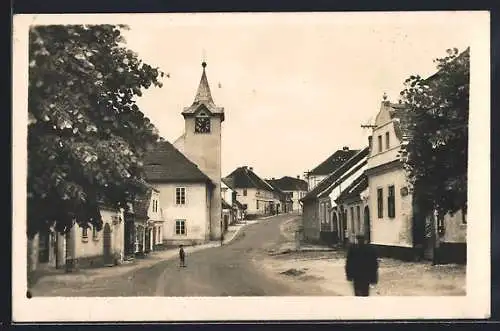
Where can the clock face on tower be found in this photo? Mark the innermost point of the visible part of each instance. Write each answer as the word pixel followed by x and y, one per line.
pixel 202 125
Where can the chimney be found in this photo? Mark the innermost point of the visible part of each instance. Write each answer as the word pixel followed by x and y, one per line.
pixel 250 168
pixel 298 176
pixel 273 178
pixel 345 148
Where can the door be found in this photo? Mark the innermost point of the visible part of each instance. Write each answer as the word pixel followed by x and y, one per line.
pixel 226 222
pixel 147 241
pixel 154 237
pixel 367 225
pixel 43 247
pixel 106 242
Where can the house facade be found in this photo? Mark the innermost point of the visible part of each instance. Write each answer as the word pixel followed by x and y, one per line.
pixel 397 228
pixel 294 188
pixel 323 221
pixel 184 195
pixel 390 201
pixel 256 195
pixel 354 202
pixel 328 166
pixel 81 246
pixel 144 224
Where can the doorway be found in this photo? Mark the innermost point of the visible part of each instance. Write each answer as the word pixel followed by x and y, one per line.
pixel 106 242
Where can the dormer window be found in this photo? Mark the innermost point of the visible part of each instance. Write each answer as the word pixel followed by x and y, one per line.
pixel 202 124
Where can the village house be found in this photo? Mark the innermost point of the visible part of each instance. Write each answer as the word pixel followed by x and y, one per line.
pixel 81 246
pixel 323 221
pixel 285 201
pixel 327 167
pixel 188 173
pixel 229 195
pixel 294 188
pixel 257 196
pixel 396 228
pixel 185 195
pixel 354 201
pixel 144 224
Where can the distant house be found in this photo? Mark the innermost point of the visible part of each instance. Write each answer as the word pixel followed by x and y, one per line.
pixel 294 188
pixel 80 247
pixel 397 228
pixel 185 194
pixel 323 221
pixel 228 208
pixel 353 200
pixel 256 195
pixel 285 202
pixel 240 210
pixel 327 167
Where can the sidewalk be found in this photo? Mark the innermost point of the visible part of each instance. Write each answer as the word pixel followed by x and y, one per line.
pixel 313 266
pixel 396 278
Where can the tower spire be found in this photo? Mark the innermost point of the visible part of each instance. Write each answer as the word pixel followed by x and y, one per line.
pixel 203 93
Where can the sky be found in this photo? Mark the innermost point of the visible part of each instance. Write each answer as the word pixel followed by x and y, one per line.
pixel 295 87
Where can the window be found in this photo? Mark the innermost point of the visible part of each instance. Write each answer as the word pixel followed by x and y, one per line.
pixel 464 217
pixel 352 219
pixel 154 206
pixel 257 204
pixel 380 202
pixel 180 227
pixel 380 144
pixel 158 236
pixel 85 233
pixel 358 218
pixel 391 207
pixel 245 206
pixel 180 196
pixel 244 192
pixel 95 234
pixel 387 143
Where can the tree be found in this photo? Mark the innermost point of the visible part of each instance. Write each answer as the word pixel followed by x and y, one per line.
pixel 86 135
pixel 437 110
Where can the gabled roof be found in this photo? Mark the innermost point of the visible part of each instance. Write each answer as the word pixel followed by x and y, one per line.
pixel 333 162
pixel 141 204
pixel 326 186
pixel 225 204
pixel 164 163
pixel 288 183
pixel 243 177
pixel 401 120
pixel 239 204
pixel 354 190
pixel 204 98
pixel 225 181
pixel 276 189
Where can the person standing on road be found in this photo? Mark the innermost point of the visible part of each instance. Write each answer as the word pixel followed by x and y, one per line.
pixel 361 266
pixel 182 256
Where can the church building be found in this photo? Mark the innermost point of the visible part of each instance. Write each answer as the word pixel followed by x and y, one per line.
pixel 187 173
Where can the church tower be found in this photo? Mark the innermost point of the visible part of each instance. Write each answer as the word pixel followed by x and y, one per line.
pixel 201 143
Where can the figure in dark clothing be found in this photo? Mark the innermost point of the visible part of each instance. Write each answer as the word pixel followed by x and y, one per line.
pixel 361 267
pixel 182 256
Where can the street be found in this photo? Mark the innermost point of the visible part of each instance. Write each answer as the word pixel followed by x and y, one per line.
pixel 259 261
pixel 230 270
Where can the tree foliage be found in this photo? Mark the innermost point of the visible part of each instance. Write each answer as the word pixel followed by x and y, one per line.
pixel 437 151
pixel 86 135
